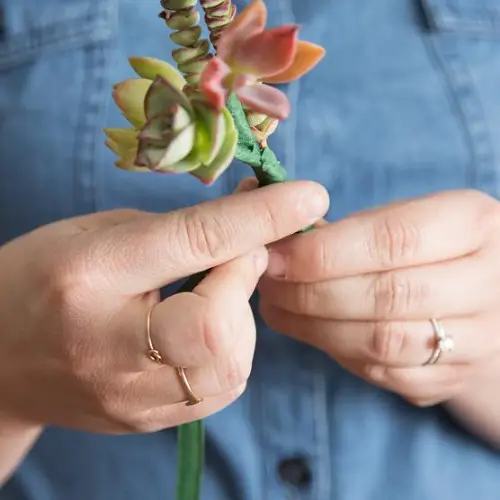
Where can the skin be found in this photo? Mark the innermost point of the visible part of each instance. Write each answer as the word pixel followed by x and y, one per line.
pixel 363 290
pixel 76 293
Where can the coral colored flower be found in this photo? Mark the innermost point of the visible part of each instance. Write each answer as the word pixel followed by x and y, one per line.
pixel 248 54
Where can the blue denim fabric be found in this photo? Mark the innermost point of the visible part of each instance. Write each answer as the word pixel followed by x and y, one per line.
pixel 407 102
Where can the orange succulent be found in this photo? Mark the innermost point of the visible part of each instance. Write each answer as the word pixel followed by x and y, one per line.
pixel 249 56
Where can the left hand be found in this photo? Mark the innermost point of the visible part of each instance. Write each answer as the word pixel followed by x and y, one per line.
pixel 365 289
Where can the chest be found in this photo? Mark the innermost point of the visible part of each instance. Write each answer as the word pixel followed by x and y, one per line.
pixel 406 102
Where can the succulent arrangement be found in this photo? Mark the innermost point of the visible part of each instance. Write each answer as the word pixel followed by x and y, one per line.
pixel 218 105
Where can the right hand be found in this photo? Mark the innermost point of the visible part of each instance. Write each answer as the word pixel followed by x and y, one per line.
pixel 74 298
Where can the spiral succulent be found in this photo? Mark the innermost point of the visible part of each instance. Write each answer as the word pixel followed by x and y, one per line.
pixel 193 54
pixel 218 15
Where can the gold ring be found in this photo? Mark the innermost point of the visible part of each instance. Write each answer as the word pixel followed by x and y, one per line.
pixel 192 398
pixel 153 354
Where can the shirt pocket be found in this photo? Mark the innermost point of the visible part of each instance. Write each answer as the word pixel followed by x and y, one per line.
pixel 52 88
pixel 465 38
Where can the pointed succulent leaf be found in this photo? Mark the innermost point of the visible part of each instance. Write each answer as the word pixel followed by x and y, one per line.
pixel 129 97
pixel 114 146
pixel 182 19
pixel 127 161
pixel 149 68
pixel 188 164
pixel 212 123
pixel 266 53
pixel 125 137
pixel 307 56
pixel 162 127
pixel 208 174
pixel 265 99
pixel 249 23
pixel 212 83
pixel 178 146
pixel 162 96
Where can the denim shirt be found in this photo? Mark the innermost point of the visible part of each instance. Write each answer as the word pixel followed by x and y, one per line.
pixel 406 102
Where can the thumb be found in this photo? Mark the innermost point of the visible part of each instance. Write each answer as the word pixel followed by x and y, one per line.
pixel 148 253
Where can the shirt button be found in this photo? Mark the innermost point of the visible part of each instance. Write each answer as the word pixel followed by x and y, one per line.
pixel 295 471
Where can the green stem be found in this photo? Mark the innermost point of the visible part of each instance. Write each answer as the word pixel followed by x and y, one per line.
pixel 190 460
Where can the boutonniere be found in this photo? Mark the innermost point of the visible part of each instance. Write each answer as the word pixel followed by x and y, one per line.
pixel 218 105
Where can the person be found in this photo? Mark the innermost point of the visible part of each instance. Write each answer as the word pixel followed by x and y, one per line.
pixel 376 360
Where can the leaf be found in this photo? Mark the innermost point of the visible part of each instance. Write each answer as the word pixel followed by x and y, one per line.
pixel 251 21
pixel 208 174
pixel 129 97
pixel 307 56
pixel 124 137
pixel 150 154
pixel 265 99
pixel 188 164
pixel 190 460
pixel 212 126
pixel 161 96
pixel 149 68
pixel 266 53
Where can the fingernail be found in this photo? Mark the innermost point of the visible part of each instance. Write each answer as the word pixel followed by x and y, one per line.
pixel 315 206
pixel 260 257
pixel 276 266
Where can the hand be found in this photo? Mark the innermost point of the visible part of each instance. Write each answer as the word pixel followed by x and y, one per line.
pixel 74 298
pixel 364 290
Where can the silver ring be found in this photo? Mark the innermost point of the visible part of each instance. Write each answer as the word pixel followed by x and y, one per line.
pixel 444 343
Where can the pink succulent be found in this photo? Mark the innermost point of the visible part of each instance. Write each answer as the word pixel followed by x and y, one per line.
pixel 248 55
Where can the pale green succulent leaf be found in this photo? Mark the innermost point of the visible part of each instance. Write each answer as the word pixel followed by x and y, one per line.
pixel 129 97
pixel 212 125
pixel 162 96
pixel 126 137
pixel 188 164
pixel 149 68
pixel 174 149
pixel 160 129
pixel 208 174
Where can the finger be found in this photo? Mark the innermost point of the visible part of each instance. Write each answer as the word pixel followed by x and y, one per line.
pixel 435 290
pixel 188 329
pixel 157 418
pixel 394 344
pixel 147 254
pixel 418 385
pixel 415 232
pixel 217 376
pixel 192 329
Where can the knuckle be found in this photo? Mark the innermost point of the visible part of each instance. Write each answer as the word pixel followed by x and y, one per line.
pixel 395 295
pixel 394 240
pixel 235 373
pixel 319 259
pixel 140 423
pixel 216 332
pixel 388 342
pixel 488 220
pixel 205 237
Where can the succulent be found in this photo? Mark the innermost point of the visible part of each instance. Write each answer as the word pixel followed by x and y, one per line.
pixel 218 15
pixel 193 54
pixel 172 131
pixel 249 56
